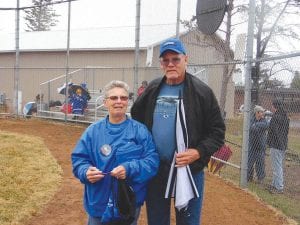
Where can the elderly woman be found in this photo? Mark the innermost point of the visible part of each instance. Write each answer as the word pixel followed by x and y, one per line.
pixel 115 147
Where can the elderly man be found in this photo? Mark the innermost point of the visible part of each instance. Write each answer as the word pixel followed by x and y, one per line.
pixel 156 108
pixel 257 144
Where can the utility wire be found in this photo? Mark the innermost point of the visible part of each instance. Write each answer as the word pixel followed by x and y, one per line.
pixel 41 5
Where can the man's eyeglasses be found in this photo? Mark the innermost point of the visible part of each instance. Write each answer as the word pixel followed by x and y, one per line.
pixel 175 61
pixel 115 98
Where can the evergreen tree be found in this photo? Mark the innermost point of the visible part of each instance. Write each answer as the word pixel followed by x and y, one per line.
pixel 41 17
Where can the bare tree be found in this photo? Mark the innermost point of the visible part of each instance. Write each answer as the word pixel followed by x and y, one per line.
pixel 222 46
pixel 269 15
pixel 269 27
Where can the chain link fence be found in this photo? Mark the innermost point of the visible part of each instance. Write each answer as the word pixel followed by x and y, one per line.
pixel 212 61
pixel 261 174
pixel 37 81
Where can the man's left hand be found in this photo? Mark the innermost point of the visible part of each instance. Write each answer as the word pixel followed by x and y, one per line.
pixel 187 157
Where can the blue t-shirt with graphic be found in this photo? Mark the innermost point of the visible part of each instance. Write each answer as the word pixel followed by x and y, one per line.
pixel 164 120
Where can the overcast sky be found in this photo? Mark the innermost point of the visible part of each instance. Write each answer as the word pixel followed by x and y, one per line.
pixel 103 13
pixel 106 13
pixel 87 14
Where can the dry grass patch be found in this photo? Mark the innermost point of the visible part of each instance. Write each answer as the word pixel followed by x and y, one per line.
pixel 29 177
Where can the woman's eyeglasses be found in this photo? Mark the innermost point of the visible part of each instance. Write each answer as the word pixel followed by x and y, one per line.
pixel 175 61
pixel 115 98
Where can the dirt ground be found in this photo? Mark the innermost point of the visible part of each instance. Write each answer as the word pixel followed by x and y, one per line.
pixel 224 203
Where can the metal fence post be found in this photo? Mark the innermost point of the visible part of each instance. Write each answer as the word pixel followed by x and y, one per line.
pixel 247 100
pixel 137 47
pixel 17 61
pixel 67 61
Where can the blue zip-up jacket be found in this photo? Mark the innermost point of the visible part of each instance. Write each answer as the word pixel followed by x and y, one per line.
pixel 258 134
pixel 132 146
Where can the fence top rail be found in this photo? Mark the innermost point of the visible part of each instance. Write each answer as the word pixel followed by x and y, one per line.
pixel 278 57
pixel 283 56
pixel 74 67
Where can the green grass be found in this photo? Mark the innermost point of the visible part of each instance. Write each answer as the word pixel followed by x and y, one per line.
pixel 288 205
pixel 294 143
pixel 29 177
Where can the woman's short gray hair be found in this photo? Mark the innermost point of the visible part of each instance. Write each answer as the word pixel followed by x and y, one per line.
pixel 114 84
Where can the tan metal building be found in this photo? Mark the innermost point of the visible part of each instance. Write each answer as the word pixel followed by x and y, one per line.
pixel 97 57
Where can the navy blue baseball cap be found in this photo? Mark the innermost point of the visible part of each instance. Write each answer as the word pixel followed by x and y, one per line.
pixel 171 44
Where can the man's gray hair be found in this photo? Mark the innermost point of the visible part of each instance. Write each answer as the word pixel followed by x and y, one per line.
pixel 114 84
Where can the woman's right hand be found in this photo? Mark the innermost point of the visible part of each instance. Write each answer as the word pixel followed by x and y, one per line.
pixel 93 174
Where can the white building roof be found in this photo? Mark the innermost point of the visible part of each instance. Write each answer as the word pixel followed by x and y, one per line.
pixel 104 38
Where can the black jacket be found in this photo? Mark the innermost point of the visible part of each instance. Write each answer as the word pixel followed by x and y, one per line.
pixel 278 131
pixel 205 125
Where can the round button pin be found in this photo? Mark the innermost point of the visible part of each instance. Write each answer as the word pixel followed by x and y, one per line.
pixel 106 149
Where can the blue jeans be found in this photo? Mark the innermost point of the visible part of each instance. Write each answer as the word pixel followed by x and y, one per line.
pixel 97 220
pixel 158 208
pixel 256 159
pixel 277 158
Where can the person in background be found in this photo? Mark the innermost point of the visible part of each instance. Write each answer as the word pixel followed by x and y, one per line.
pixel 156 108
pixel 116 147
pixel 39 98
pixel 257 144
pixel 86 94
pixel 78 102
pixel 142 87
pixel 277 141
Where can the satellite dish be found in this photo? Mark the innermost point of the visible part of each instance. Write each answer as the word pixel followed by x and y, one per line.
pixel 210 14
